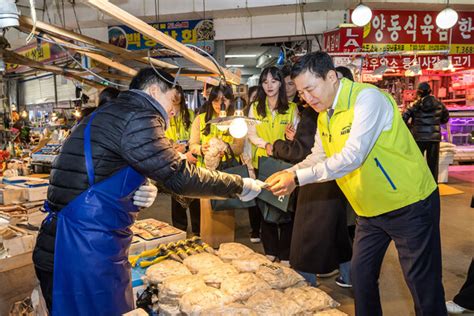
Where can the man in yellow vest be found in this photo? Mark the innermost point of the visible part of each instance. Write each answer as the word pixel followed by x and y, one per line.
pixel 363 143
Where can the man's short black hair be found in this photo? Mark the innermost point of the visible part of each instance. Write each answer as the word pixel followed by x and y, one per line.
pixel 345 72
pixel 286 71
pixel 318 63
pixel 148 76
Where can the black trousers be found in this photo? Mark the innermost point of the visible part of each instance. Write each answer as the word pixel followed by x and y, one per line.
pixel 465 297
pixel 432 156
pixel 276 239
pixel 180 218
pixel 46 284
pixel 415 231
pixel 255 217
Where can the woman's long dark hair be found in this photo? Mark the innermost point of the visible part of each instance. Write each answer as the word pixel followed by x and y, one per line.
pixel 183 108
pixel 282 101
pixel 208 108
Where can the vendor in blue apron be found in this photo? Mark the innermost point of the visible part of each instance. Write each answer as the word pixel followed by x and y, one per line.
pixel 81 254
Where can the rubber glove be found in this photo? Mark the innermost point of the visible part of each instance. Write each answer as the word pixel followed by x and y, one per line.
pixel 145 195
pixel 251 189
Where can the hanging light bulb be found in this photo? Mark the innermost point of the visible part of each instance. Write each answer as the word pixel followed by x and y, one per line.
pixel 361 15
pixel 222 114
pixel 24 114
pixel 238 128
pixel 447 18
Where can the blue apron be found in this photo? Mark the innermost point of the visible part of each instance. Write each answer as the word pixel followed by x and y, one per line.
pixel 91 268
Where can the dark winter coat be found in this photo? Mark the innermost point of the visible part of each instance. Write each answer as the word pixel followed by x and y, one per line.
pixel 297 150
pixel 426 116
pixel 127 131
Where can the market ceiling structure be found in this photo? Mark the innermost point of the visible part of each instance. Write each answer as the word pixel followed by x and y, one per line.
pixel 212 73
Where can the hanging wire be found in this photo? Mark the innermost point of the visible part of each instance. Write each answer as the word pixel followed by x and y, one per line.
pixel 33 17
pixel 173 83
pixel 88 70
pixel 214 61
pixel 75 15
pixel 69 45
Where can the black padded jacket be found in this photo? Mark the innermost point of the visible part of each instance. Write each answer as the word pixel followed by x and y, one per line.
pixel 426 116
pixel 128 131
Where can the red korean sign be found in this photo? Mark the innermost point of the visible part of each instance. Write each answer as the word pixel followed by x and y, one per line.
pixel 416 31
pixel 425 61
pixel 346 39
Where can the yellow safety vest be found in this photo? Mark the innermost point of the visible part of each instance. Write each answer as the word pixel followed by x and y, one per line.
pixel 214 133
pixel 176 130
pixel 393 175
pixel 271 128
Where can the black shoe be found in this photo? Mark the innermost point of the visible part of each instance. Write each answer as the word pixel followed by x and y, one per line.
pixel 255 238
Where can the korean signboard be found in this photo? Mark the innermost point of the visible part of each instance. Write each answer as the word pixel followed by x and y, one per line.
pixel 43 53
pixel 400 63
pixel 344 39
pixel 417 31
pixel 196 32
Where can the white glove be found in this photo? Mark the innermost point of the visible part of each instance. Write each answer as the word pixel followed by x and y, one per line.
pixel 250 189
pixel 145 195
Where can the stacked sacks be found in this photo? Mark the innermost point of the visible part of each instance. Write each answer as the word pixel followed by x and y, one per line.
pixel 194 302
pixel 232 250
pixel 236 281
pixel 202 262
pixel 157 273
pixel 242 286
pixel 215 276
pixel 173 288
pixel 311 299
pixel 273 302
pixel 279 276
pixel 250 263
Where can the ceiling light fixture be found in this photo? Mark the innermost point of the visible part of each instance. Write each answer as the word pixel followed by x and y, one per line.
pixel 361 15
pixel 447 18
pixel 235 66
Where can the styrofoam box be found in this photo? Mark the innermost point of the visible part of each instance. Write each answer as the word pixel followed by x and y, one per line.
pixel 37 194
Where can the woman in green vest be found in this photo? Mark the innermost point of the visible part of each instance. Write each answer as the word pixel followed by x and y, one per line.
pixel 276 113
pixel 178 132
pixel 202 132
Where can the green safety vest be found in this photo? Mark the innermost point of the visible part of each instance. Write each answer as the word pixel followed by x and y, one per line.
pixel 271 128
pixel 214 133
pixel 393 175
pixel 176 130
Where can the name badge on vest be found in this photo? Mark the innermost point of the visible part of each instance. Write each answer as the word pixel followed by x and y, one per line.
pixel 346 129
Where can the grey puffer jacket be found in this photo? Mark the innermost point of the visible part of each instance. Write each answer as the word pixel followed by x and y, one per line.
pixel 128 131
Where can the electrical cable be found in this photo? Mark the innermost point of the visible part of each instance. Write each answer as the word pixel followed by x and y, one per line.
pixel 90 71
pixel 33 17
pixel 301 5
pixel 75 15
pixel 71 46
pixel 214 61
pixel 173 83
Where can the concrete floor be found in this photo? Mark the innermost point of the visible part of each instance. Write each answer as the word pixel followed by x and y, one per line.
pixel 457 230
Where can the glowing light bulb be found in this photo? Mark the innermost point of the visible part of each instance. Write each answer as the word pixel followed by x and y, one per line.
pixel 447 18
pixel 361 15
pixel 24 114
pixel 238 128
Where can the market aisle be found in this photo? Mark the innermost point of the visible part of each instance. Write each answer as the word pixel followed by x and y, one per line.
pixel 457 230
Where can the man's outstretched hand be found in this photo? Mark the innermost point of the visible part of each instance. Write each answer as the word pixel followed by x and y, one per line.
pixel 281 183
